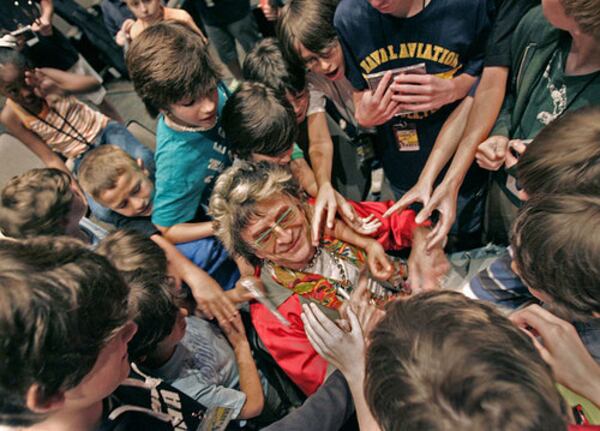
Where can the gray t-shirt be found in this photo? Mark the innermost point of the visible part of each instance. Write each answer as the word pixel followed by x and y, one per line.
pixel 204 367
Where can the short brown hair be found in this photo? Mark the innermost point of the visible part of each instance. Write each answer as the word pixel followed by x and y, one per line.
pixel 586 14
pixel 564 156
pixel 143 265
pixel 169 62
pixel 441 361
pixel 556 241
pixel 102 167
pixel 36 203
pixel 309 22
pixel 60 303
pixel 129 251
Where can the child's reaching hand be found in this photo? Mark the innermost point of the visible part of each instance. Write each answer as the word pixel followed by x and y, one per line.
pixel 123 36
pixel 240 294
pixel 42 84
pixel 235 332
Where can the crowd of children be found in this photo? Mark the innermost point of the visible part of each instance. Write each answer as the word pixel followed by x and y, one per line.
pixel 228 279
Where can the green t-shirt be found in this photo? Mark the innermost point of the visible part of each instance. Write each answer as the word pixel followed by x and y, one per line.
pixel 554 93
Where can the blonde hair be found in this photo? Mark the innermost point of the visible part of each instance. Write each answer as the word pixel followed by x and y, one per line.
pixel 233 200
pixel 102 167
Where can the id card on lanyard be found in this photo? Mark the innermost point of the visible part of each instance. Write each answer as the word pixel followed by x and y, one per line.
pixel 406 135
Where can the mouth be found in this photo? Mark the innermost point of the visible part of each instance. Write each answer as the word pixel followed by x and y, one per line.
pixel 294 245
pixel 208 121
pixel 333 74
pixel 147 210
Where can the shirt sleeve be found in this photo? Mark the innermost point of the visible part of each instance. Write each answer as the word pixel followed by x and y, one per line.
pixel 474 63
pixel 508 15
pixel 175 202
pixel 297 153
pixel 317 101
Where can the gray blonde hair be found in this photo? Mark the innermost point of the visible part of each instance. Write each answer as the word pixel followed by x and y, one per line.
pixel 234 198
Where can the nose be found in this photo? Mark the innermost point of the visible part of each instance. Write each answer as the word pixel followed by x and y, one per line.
pixel 284 236
pixel 139 204
pixel 324 65
pixel 207 106
pixel 143 8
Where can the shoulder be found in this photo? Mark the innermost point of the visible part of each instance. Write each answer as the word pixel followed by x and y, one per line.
pixel 177 14
pixel 352 12
pixel 534 27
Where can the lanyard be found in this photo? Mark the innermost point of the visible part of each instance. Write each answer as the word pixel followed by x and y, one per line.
pixel 73 134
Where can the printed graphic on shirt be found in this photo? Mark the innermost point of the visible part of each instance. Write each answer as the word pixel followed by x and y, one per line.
pixel 419 50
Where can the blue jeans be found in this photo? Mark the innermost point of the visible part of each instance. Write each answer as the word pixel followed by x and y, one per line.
pixel 116 134
pixel 245 31
pixel 210 255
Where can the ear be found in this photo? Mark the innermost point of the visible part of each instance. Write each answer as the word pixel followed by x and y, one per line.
pixel 37 403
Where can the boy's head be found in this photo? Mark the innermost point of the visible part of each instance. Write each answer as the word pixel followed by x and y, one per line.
pixel 64 326
pixel 556 241
pixel 152 297
pixel 173 73
pixel 40 202
pixel 564 156
pixel 145 10
pixel 13 85
pixel 574 16
pixel 440 361
pixel 305 29
pixel 116 181
pixel 267 64
pixel 260 124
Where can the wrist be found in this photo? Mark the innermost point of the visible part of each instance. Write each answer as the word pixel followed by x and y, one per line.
pixel 241 348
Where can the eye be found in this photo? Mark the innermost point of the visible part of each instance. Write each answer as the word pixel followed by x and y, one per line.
pixel 264 236
pixel 122 205
pixel 136 189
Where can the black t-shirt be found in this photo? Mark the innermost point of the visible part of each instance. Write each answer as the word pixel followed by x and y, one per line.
pixel 143 403
pixel 52 51
pixel 508 15
pixel 218 13
pixel 449 36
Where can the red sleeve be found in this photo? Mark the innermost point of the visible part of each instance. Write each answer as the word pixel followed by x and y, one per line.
pixel 289 346
pixel 396 230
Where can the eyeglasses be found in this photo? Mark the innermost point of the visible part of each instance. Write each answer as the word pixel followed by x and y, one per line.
pixel 267 238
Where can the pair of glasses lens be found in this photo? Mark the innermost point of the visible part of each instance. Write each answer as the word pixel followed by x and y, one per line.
pixel 267 237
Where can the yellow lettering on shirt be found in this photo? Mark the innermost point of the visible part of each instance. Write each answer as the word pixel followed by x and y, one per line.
pixel 393 55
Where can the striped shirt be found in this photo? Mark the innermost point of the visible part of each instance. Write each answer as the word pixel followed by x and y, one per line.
pixel 81 122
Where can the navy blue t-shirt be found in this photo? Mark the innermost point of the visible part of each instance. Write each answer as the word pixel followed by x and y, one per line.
pixel 449 36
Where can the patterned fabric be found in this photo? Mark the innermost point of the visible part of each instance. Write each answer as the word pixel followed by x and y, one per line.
pixel 86 123
pixel 315 286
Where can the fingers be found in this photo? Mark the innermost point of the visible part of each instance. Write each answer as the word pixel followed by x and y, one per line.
pixel 347 211
pixel 331 210
pixel 437 237
pixel 402 204
pixel 380 266
pixel 383 86
pixel 316 222
pixel 322 323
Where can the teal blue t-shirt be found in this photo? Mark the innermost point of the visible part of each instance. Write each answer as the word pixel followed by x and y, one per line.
pixel 187 165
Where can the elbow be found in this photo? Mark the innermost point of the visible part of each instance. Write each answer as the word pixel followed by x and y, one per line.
pixel 252 408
